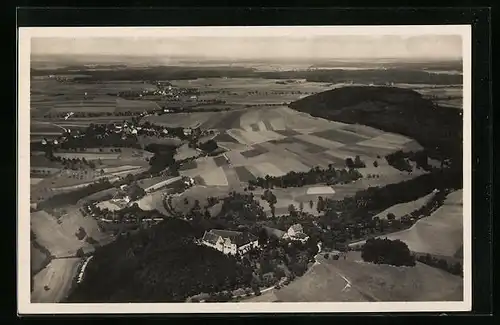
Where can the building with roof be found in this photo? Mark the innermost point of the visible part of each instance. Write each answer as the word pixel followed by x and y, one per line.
pixel 296 232
pixel 230 242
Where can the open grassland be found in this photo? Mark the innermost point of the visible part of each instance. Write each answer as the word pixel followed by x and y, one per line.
pixel 198 192
pixel 327 280
pixel 124 105
pixel 59 238
pixel 58 276
pixel 87 156
pixel 184 152
pixel 153 201
pixel 439 234
pixel 257 151
pixel 37 258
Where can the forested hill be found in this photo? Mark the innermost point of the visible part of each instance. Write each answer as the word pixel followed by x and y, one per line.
pixel 391 109
pixel 158 264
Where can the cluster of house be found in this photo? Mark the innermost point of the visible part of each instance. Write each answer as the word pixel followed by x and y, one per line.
pixel 233 242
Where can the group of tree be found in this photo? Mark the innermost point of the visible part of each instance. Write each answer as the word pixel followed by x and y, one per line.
pixel 128 214
pixel 401 160
pixel 163 157
pixel 441 263
pixel 316 175
pixel 74 163
pixel 386 251
pixel 352 218
pixel 69 198
pixel 277 258
pixel 159 264
pixel 208 146
pixel 356 163
pixel 271 199
pixel 367 203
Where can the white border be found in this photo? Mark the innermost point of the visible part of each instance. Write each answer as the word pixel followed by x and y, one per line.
pixel 23 257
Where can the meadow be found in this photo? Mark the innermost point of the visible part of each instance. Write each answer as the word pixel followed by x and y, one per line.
pixel 326 281
pixel 440 234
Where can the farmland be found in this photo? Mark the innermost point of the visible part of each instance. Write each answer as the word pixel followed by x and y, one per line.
pixel 60 239
pixel 299 143
pixel 325 281
pixel 440 234
pixel 263 137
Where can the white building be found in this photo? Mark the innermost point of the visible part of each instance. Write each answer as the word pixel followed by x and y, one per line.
pixel 230 242
pixel 296 232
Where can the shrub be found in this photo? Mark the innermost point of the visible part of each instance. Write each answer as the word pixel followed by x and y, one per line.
pixel 385 251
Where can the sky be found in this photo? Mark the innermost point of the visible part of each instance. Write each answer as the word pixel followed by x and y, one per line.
pixel 258 47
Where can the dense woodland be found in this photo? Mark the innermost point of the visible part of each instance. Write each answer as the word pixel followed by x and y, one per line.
pixel 399 75
pixel 386 251
pixel 158 264
pixel 402 111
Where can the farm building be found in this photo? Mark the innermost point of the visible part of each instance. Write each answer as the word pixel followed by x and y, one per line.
pixel 296 232
pixel 230 242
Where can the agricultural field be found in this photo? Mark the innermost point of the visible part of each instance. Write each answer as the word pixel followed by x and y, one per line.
pixel 184 152
pixel 327 279
pixel 153 201
pixel 59 238
pixel 241 86
pixel 37 258
pixel 257 153
pixel 440 234
pixel 256 149
pixel 51 96
pixel 58 277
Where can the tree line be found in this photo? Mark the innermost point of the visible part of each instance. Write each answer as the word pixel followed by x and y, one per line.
pixel 316 175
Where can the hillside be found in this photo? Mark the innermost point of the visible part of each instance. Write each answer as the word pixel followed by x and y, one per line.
pixel 402 111
pixel 327 279
pixel 158 264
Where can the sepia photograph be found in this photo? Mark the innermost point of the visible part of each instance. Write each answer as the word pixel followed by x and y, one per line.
pixel 244 169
